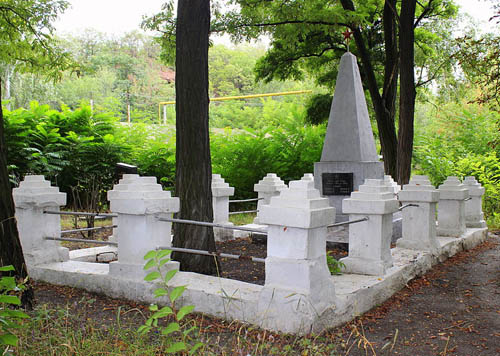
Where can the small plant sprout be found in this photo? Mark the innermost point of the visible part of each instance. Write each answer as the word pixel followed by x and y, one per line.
pixel 177 331
pixel 334 266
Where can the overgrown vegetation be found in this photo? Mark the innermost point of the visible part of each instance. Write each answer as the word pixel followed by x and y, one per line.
pixel 459 139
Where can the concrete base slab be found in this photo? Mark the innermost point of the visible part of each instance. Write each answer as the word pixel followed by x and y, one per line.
pixel 94 254
pixel 235 300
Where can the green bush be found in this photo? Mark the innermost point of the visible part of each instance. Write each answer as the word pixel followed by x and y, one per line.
pixel 64 147
pixel 245 157
pixel 459 140
pixel 9 318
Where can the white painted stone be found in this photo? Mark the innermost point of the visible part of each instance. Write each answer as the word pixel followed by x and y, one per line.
pixel 298 282
pixel 474 216
pixel 221 191
pixel 308 176
pixel 390 181
pixel 419 223
pixel 269 186
pixel 451 208
pixel 139 202
pixel 33 196
pixel 370 241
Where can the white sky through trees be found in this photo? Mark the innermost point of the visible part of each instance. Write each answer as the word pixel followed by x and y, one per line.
pixel 116 17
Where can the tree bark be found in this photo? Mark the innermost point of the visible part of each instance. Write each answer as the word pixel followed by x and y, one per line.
pixel 193 164
pixel 11 252
pixel 407 90
pixel 384 104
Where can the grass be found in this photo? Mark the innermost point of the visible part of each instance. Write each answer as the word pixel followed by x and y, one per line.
pixel 61 332
pixel 242 219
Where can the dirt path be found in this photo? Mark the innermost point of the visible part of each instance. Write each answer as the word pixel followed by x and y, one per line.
pixel 453 310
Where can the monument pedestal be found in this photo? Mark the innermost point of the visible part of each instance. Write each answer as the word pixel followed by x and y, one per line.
pixel 336 187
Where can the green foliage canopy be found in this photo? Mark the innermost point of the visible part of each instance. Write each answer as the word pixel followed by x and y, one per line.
pixel 26 33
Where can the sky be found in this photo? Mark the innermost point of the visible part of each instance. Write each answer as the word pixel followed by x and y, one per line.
pixel 116 17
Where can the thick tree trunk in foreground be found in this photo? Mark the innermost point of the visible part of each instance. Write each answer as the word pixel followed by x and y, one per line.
pixel 407 90
pixel 193 164
pixel 11 252
pixel 383 105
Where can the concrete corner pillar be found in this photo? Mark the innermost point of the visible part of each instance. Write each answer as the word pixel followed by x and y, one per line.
pixel 32 198
pixel 419 222
pixel 474 216
pixel 139 202
pixel 269 186
pixel 221 191
pixel 451 208
pixel 370 241
pixel 298 287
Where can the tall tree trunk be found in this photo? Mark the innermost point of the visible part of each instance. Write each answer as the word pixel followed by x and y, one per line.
pixel 193 164
pixel 11 252
pixel 382 105
pixel 407 90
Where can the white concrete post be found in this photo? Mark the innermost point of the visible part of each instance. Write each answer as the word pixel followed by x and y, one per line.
pixel 269 186
pixel 221 191
pixel 474 216
pixel 298 285
pixel 419 223
pixel 33 196
pixel 139 201
pixel 370 241
pixel 451 208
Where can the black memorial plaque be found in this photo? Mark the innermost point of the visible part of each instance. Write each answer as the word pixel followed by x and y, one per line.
pixel 337 183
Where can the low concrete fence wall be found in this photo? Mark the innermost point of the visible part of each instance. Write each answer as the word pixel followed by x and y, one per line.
pixel 299 294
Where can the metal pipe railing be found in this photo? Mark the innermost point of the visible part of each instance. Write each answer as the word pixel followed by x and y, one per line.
pixel 349 222
pixel 243 212
pixel 98 242
pixel 214 254
pixel 207 224
pixel 82 213
pixel 245 200
pixel 89 229
pixel 407 206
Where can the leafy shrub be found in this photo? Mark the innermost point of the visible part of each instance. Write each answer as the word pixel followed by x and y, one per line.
pixel 64 146
pixel 9 318
pixel 245 157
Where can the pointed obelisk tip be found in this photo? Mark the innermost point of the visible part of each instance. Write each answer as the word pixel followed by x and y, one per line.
pixel 349 136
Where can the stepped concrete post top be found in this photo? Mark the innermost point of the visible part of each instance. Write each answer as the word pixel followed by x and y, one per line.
pixel 300 205
pixel 390 181
pixel 308 176
pixel 220 188
pixel 349 136
pixel 270 183
pixel 419 189
pixel 473 186
pixel 141 195
pixel 36 191
pixel 453 189
pixel 374 197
